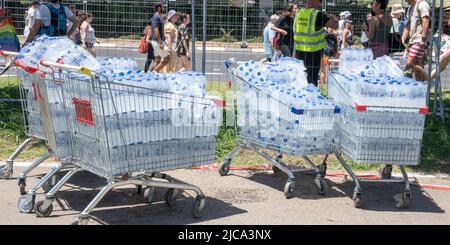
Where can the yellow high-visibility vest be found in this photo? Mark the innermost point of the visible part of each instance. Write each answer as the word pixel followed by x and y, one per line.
pixel 306 37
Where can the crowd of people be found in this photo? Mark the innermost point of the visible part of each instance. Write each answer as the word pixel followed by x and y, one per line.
pixel 166 35
pixel 167 43
pixel 55 19
pixel 305 33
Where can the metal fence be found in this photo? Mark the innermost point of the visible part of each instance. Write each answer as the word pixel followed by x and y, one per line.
pixel 220 27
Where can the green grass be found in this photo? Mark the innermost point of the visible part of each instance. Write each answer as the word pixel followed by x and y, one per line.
pixel 11 123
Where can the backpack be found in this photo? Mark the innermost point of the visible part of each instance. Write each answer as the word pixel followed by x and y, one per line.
pixel 331 45
pixel 58 23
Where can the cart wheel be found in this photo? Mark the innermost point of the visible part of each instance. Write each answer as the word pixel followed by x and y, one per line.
pixel 224 168
pixel 22 185
pixel 275 169
pixel 4 173
pixel 198 207
pixel 49 184
pixel 321 186
pixel 171 197
pixel 405 201
pixel 323 170
pixel 385 173
pixel 25 203
pixel 81 221
pixel 40 211
pixel 148 194
pixel 289 188
pixel 357 199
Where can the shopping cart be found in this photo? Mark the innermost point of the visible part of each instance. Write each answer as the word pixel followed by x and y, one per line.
pixel 311 130
pixel 129 134
pixel 28 77
pixel 376 134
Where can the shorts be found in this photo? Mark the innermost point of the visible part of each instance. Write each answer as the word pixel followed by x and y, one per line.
pixel 161 52
pixel 416 52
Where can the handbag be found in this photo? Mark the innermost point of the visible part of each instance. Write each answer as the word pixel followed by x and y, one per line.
pixel 143 45
pixel 143 42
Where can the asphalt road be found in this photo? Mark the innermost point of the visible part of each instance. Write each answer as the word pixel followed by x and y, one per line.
pixel 248 198
pixel 215 57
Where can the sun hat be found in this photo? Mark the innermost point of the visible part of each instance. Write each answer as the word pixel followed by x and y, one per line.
pixel 171 13
pixel 447 6
pixel 397 9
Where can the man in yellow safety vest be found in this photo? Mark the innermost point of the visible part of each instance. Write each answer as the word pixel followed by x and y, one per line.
pixel 309 37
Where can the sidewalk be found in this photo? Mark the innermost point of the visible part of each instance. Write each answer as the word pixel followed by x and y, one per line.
pixel 244 198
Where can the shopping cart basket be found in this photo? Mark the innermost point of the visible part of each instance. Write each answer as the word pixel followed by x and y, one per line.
pixel 300 132
pixel 28 77
pixel 368 134
pixel 129 134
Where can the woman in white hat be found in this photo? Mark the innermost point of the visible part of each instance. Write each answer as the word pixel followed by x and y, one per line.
pixel 397 13
pixel 171 33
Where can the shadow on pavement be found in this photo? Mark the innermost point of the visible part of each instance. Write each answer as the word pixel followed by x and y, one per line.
pixel 305 187
pixel 380 197
pixel 125 206
pixel 376 196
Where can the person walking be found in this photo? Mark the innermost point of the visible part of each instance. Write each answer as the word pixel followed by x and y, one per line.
pixel 88 34
pixel 417 29
pixel 51 20
pixel 309 37
pixel 171 33
pixel 378 29
pixel 268 36
pixel 30 16
pixel 150 61
pixel 285 27
pixel 76 36
pixel 183 51
pixel 160 48
pixel 364 38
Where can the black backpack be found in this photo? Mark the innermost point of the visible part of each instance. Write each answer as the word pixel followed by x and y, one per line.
pixel 331 45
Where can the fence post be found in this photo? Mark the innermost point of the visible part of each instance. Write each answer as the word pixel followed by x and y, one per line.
pixel 3 4
pixel 204 38
pixel 193 35
pixel 84 5
pixel 244 24
pixel 430 51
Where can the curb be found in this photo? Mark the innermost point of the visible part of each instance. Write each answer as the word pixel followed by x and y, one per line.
pixel 259 167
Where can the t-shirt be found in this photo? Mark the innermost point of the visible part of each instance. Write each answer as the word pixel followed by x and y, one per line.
pixel 286 23
pixel 30 19
pixel 43 13
pixel 416 14
pixel 395 25
pixel 268 34
pixel 157 22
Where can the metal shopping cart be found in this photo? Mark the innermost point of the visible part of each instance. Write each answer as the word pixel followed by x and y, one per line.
pixel 311 130
pixel 364 136
pixel 28 76
pixel 129 134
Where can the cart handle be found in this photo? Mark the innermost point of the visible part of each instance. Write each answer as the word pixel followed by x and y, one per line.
pixel 81 69
pixel 28 68
pixel 8 53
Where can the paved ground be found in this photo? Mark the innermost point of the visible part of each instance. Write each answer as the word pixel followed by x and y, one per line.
pixel 241 198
